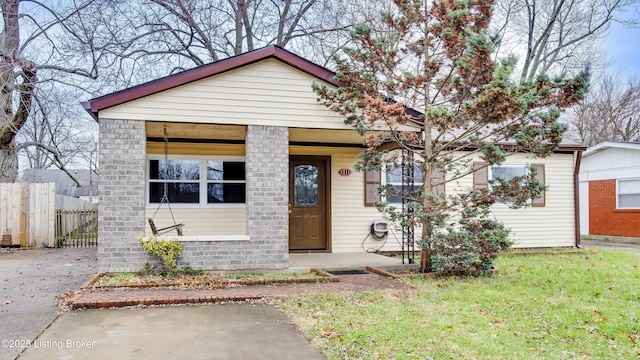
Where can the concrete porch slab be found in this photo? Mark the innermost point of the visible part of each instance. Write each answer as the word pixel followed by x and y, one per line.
pixel 299 262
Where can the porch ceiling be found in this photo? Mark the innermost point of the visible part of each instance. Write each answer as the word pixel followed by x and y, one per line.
pixel 238 132
pixel 196 131
pixel 324 136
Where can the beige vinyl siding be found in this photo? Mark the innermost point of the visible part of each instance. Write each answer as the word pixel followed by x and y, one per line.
pixel 350 218
pixel 552 225
pixel 201 220
pixel 264 93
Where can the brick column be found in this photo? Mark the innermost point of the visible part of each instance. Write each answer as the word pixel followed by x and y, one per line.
pixel 267 171
pixel 122 195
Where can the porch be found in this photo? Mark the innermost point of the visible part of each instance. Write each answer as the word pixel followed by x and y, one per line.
pixel 304 262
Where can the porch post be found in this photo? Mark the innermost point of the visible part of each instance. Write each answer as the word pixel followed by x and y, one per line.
pixel 121 195
pixel 267 175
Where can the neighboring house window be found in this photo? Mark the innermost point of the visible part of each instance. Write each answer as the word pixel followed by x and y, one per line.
pixel 629 194
pixel 197 181
pixel 483 173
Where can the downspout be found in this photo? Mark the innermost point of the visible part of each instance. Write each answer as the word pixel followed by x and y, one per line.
pixel 576 197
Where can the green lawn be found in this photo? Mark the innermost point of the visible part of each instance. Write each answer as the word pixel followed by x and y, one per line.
pixel 555 306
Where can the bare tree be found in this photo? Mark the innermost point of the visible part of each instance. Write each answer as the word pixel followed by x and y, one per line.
pixel 611 112
pixel 31 54
pixel 175 35
pixel 559 36
pixel 57 134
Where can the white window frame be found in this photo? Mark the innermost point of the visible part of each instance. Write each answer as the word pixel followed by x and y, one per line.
pixel 203 181
pixel 490 177
pixel 632 193
pixel 383 182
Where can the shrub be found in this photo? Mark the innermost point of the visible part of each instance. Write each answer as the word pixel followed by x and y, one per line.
pixel 167 250
pixel 470 248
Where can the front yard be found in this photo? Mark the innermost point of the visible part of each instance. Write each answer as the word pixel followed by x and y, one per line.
pixel 555 306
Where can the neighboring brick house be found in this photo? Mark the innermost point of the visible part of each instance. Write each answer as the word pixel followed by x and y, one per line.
pixel 610 190
pixel 258 168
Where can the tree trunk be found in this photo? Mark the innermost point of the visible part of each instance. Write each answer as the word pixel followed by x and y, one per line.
pixel 8 163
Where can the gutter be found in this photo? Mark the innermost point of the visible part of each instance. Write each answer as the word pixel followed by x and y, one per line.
pixel 576 197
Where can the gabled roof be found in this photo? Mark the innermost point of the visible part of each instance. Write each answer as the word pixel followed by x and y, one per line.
pixel 611 145
pixel 93 106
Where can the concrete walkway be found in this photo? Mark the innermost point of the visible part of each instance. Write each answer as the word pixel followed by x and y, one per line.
pixel 213 331
pixel 611 245
pixel 238 331
pixel 122 297
pixel 31 281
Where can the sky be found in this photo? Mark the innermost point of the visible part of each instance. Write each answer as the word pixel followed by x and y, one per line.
pixel 623 49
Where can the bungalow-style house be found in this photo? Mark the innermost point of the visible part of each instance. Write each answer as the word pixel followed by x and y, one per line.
pixel 257 168
pixel 610 189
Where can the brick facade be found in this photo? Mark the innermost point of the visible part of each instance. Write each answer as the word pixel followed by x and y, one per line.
pixel 121 216
pixel 267 166
pixel 604 218
pixel 123 193
pixel 267 174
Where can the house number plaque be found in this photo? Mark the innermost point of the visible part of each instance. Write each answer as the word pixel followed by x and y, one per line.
pixel 344 172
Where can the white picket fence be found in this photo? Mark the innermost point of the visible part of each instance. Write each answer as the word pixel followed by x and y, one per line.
pixel 27 213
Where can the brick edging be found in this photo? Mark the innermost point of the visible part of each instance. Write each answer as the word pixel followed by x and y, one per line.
pixel 79 305
pixel 323 277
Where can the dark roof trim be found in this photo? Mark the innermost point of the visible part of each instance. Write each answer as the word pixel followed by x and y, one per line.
pixel 571 148
pixel 562 149
pixel 93 106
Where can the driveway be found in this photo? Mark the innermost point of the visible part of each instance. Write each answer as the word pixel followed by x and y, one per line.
pixel 220 331
pixel 32 327
pixel 611 245
pixel 31 279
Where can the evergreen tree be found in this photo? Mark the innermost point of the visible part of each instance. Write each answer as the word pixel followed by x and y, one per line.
pixel 435 57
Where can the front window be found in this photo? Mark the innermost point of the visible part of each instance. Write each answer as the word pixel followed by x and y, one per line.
pixel 629 194
pixel 181 178
pixel 393 177
pixel 197 181
pixel 507 173
pixel 225 182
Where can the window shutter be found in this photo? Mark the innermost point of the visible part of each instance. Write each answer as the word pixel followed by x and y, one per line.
pixel 540 174
pixel 480 175
pixel 372 181
pixel 437 176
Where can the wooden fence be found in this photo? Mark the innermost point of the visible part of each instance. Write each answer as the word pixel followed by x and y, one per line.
pixel 27 213
pixel 72 203
pixel 76 228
